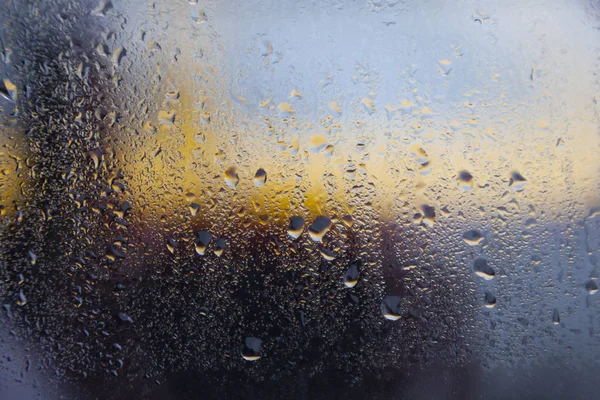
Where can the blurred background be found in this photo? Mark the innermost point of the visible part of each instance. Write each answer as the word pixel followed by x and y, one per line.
pixel 370 199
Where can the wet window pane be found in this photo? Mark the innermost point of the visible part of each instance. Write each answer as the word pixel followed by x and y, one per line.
pixel 371 199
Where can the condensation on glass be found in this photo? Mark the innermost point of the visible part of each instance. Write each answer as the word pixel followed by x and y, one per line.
pixel 289 199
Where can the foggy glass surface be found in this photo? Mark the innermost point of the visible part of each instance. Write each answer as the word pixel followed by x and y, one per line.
pixel 370 199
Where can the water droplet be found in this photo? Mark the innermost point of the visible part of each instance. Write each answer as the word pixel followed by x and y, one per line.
pixel 8 90
pixel 327 253
pixel 202 241
pixel 368 105
pixel 591 286
pixel 319 228
pixel 317 143
pixel 348 221
pixel 220 246
pixel 445 66
pixel 294 147
pixel 198 15
pixel 465 181
pixel 231 177
pixel 390 111
pixel 296 226
pixel 483 269
pixel 517 181
pixel 285 109
pixel 167 117
pixel 351 276
pixel 489 300
pixel 194 208
pixel 22 300
pixel 428 215
pixel 102 8
pixel 153 45
pixel 329 150
pixel 333 106
pixel 171 244
pixel 295 94
pixel 480 16
pixel 251 349
pixel 118 55
pixel 125 318
pixel 390 308
pixel 32 256
pixel 260 178
pixel 473 237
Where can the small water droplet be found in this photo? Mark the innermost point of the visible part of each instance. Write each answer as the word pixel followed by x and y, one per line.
pixel 333 106
pixel 32 256
pixel 171 245
pixel 125 318
pixel 118 55
pixel 22 300
pixel 368 105
pixel 167 117
pixel 445 66
pixel 295 94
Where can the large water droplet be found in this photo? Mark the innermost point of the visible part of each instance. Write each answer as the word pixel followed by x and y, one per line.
pixel 591 286
pixel 231 177
pixel 202 241
pixel 390 308
pixel 220 246
pixel 517 181
pixel 351 276
pixel 319 228
pixel 483 269
pixel 260 178
pixel 473 237
pixel 465 181
pixel 296 227
pixel 251 349
pixel 8 90
pixel 555 317
pixel 489 300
